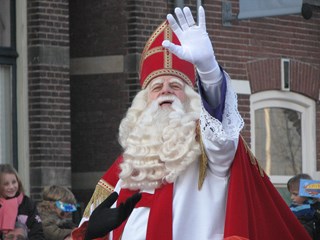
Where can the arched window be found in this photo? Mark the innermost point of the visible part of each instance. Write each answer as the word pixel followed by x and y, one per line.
pixel 283 134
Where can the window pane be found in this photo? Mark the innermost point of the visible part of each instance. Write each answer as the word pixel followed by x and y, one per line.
pixel 278 140
pixel 5 26
pixel 5 114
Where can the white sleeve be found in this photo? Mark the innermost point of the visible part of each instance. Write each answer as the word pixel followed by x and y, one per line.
pixel 211 83
pixel 220 139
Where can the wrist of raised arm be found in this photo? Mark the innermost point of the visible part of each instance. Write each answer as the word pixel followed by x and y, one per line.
pixel 212 76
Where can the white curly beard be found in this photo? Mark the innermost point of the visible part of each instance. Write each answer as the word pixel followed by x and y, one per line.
pixel 159 143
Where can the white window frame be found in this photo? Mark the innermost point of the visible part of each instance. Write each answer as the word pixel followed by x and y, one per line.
pixel 296 102
pixel 22 94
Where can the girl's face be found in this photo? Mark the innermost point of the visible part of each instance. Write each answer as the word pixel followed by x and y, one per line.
pixel 9 185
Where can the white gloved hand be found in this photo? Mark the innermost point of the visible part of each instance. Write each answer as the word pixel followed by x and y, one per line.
pixel 196 46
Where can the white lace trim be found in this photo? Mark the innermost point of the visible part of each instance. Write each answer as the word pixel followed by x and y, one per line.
pixel 232 122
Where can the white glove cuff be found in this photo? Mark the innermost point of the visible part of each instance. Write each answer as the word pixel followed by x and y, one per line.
pixel 213 76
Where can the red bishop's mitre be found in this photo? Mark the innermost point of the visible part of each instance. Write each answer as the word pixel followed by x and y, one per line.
pixel 157 61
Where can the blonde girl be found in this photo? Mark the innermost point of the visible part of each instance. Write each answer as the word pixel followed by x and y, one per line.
pixel 16 206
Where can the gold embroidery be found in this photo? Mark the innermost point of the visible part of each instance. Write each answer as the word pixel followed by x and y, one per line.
pixel 101 192
pixel 165 71
pixel 150 41
pixel 167 55
pixel 203 158
pixel 253 159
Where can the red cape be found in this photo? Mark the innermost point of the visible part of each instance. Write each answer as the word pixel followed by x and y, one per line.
pixel 255 209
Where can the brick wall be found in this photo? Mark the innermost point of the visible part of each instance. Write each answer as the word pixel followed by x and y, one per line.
pixel 98 100
pixel 97 28
pixel 244 108
pixel 49 94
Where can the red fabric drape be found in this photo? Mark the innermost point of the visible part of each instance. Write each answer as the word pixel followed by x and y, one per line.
pixel 160 217
pixel 111 176
pixel 255 209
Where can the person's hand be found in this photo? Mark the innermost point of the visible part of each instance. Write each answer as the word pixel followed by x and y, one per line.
pixel 196 46
pixel 104 219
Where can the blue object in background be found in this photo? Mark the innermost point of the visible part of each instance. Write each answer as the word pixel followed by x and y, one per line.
pixel 309 188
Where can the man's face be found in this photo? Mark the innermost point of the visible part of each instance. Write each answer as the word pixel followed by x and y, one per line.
pixel 166 85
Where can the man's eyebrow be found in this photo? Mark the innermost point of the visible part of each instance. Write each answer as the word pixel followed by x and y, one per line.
pixel 176 80
pixel 156 82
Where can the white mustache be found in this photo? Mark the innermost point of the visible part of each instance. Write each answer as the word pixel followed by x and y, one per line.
pixel 176 106
pixel 166 98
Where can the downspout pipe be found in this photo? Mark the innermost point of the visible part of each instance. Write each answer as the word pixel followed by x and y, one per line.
pixel 179 3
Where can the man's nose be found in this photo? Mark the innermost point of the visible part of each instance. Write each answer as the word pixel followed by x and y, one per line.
pixel 166 89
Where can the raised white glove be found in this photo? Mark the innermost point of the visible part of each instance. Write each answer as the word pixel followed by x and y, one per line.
pixel 196 46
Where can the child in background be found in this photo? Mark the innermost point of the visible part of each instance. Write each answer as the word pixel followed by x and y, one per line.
pixel 56 212
pixel 306 209
pixel 16 206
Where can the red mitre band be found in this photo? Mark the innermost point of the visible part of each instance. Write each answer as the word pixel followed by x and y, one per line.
pixel 157 61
